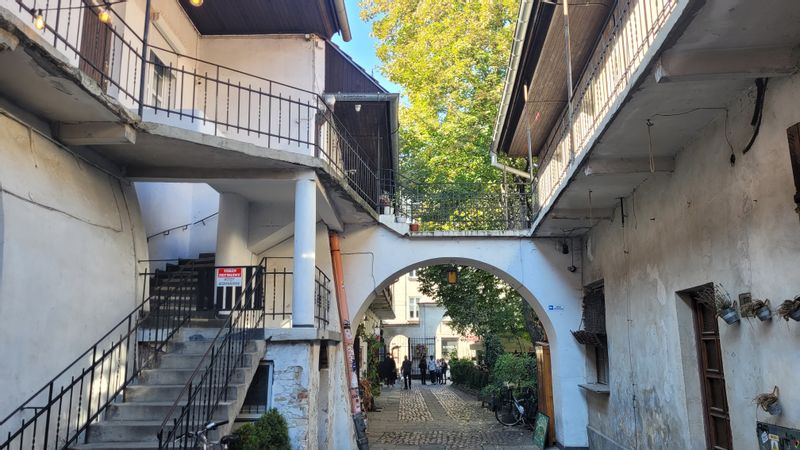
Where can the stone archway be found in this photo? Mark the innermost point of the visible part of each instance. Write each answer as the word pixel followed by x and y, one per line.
pixel 375 256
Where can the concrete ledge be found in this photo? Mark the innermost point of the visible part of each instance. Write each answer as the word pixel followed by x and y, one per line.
pixel 301 335
pixel 596 388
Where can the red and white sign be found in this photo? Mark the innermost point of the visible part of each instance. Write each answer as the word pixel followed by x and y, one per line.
pixel 229 277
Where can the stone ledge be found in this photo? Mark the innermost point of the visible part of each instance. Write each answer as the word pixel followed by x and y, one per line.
pixel 596 388
pixel 301 335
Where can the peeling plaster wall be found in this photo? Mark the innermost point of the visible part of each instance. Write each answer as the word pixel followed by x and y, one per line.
pixel 708 221
pixel 70 238
pixel 295 388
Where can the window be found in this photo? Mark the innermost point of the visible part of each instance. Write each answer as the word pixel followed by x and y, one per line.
pixel 793 133
pixel 257 401
pixel 601 363
pixel 593 331
pixel 161 76
pixel 413 307
pixel 413 274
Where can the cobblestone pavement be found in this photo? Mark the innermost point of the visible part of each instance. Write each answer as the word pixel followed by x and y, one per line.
pixel 434 417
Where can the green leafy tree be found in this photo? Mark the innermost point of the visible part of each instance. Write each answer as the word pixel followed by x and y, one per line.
pixel 480 303
pixel 451 58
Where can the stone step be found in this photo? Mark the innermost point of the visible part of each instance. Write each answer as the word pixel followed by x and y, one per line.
pixel 153 377
pixel 140 431
pixel 190 361
pixel 199 347
pixel 136 411
pixel 132 445
pixel 166 392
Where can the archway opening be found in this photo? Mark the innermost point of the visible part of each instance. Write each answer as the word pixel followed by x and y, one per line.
pixel 463 330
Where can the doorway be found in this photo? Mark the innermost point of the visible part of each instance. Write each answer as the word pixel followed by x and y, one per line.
pixel 712 377
pixel 95 48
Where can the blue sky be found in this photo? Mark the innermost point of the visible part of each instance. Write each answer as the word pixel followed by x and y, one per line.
pixel 362 46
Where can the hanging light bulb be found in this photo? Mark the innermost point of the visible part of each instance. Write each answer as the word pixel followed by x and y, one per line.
pixel 38 20
pixel 196 3
pixel 104 15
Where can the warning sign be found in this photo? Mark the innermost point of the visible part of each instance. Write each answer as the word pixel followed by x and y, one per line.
pixel 229 277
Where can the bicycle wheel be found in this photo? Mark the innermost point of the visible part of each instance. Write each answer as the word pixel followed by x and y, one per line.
pixel 507 413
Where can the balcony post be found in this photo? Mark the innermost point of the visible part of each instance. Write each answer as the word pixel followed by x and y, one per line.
pixel 305 227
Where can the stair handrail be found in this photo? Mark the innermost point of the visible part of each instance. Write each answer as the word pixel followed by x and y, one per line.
pixel 134 321
pixel 209 376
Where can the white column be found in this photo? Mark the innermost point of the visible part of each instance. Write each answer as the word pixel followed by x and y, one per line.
pixel 232 229
pixel 305 227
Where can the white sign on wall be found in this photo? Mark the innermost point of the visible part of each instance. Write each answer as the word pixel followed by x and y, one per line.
pixel 229 277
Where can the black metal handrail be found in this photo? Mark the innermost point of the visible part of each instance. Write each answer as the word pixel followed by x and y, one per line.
pixel 65 407
pixel 492 205
pixel 278 300
pixel 208 385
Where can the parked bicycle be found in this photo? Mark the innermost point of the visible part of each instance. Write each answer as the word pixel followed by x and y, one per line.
pixel 200 438
pixel 516 407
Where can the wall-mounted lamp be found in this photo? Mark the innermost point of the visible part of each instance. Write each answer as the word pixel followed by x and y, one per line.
pixel 196 3
pixel 358 107
pixel 38 20
pixel 452 276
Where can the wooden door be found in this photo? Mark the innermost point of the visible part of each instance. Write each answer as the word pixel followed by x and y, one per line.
pixel 95 48
pixel 712 378
pixel 545 388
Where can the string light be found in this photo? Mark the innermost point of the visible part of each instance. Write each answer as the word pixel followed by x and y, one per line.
pixel 104 15
pixel 38 20
pixel 196 3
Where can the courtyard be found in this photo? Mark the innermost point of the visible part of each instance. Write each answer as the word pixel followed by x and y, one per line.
pixel 438 417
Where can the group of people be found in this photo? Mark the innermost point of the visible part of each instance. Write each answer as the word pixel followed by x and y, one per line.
pixel 432 370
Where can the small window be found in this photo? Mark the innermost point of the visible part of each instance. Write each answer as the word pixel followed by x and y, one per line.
pixel 413 274
pixel 257 401
pixel 413 307
pixel 601 363
pixel 161 76
pixel 323 355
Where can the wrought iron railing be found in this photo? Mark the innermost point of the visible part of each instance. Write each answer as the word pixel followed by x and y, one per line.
pixel 279 298
pixel 58 415
pixel 458 206
pixel 188 92
pixel 627 36
pixel 208 385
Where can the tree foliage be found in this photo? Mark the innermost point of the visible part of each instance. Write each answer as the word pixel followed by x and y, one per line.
pixel 479 302
pixel 451 58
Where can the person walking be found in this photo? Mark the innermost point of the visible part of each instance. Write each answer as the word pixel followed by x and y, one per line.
pixel 392 369
pixel 423 368
pixel 405 369
pixel 432 369
pixel 444 371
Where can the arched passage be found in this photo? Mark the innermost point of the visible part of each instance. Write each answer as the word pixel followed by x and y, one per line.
pixel 375 256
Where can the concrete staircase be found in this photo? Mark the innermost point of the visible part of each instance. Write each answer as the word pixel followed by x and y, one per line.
pixel 135 422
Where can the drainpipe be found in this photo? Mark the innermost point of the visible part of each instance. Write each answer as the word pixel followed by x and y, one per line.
pixel 145 39
pixel 344 24
pixel 347 342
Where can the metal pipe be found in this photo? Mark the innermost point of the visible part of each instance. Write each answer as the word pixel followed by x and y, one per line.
pixel 344 24
pixel 145 38
pixel 515 171
pixel 568 56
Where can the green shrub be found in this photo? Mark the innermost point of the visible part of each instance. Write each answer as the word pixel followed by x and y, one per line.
pixel 268 432
pixel 519 369
pixel 494 348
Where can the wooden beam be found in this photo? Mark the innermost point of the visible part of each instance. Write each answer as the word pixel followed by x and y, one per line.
pixel 729 63
pixel 628 166
pixel 96 133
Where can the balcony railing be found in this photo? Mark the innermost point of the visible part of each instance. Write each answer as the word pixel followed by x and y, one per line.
pixel 458 206
pixel 179 90
pixel 625 40
pixel 279 298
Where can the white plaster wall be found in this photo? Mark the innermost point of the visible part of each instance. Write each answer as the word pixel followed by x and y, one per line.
pixel 706 222
pixel 169 205
pixel 294 389
pixel 374 256
pixel 70 236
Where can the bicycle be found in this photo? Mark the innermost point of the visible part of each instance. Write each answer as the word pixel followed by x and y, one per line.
pixel 201 435
pixel 513 410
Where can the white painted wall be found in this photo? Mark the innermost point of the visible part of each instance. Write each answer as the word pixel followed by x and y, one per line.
pixel 375 256
pixel 706 222
pixel 168 205
pixel 70 236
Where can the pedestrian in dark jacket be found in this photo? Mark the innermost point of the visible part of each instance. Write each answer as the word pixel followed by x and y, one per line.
pixel 405 368
pixel 423 369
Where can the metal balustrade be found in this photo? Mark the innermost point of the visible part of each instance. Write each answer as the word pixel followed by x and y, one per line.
pixel 624 41
pixel 187 92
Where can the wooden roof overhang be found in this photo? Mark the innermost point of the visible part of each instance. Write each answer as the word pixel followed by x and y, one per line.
pixel 245 17
pixel 542 71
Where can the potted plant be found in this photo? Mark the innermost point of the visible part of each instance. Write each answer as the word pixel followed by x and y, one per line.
pixel 790 309
pixel 385 203
pixel 769 402
pixel 414 227
pixel 716 297
pixel 757 308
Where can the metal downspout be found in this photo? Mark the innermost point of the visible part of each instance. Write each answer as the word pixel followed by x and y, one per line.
pixel 347 342
pixel 344 24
